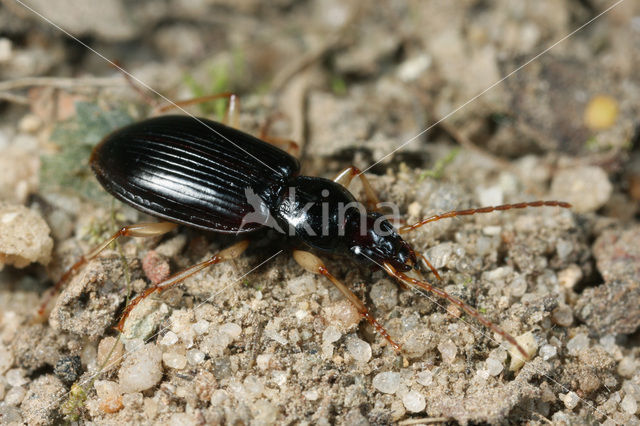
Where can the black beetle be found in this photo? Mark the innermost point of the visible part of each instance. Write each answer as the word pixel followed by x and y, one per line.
pixel 204 174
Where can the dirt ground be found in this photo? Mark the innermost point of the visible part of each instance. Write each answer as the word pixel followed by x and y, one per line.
pixel 259 340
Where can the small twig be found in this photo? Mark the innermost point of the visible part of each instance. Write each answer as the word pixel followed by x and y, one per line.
pixel 541 417
pixel 424 421
pixel 16 99
pixel 61 82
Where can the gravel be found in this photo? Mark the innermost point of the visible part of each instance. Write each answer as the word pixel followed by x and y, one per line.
pixel 586 188
pixel 279 345
pixel 24 237
pixel 141 370
pixel 387 382
pixel 414 402
pixel 613 307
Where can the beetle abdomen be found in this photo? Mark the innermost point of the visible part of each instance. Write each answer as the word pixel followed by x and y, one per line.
pixel 191 171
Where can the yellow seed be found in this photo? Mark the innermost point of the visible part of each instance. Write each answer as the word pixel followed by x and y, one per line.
pixel 601 112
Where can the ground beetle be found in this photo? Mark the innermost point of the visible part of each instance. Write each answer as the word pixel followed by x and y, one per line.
pixel 207 175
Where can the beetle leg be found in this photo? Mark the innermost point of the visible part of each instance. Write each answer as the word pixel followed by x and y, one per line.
pixel 431 267
pixel 468 212
pixel 291 147
pixel 287 145
pixel 313 264
pixel 345 177
pixel 230 116
pixel 137 230
pixel 229 253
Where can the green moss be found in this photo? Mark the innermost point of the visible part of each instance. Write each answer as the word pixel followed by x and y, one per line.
pixel 222 77
pixel 438 169
pixel 72 407
pixel 68 170
pixel 338 86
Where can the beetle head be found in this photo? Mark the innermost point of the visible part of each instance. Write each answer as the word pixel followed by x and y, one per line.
pixel 373 241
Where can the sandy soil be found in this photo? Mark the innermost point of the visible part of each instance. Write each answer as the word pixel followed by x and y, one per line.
pixel 261 341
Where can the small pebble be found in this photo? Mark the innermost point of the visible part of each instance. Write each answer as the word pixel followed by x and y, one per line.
pixel 494 367
pixel 141 370
pixel 627 367
pixel 560 418
pixel 491 196
pixel 387 382
pixel 24 237
pixel 414 209
pixel 359 349
pixel 155 267
pixel 629 404
pixel 499 274
pixel 201 327
pixel 6 359
pixel 109 396
pixel 341 314
pixel 331 334
pixel 279 377
pixel 440 255
pixel 570 276
pixel 570 400
pixel 492 230
pixel 195 356
pixel 414 67
pixel 587 188
pixel 518 286
pixel 425 378
pixel 5 49
pixel 15 395
pixel 275 335
pixel 15 377
pixel 30 123
pixel 631 388
pixel 253 385
pixel 384 295
pixel 482 374
pixel 601 112
pixel 311 395
pixel 414 401
pixel 483 245
pixel 547 352
pixel 499 354
pixel 528 343
pixel 68 369
pixel 265 413
pixel 562 315
pixel 174 360
pixel 263 361
pixel 608 342
pixel 232 329
pixel 577 344
pixel 170 338
pixel 564 249
pixel 19 165
pixel 448 351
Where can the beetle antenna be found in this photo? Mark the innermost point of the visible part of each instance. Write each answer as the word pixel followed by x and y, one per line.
pixel 462 305
pixel 489 209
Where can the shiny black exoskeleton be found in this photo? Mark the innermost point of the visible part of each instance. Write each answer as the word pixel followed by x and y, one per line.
pixel 201 173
